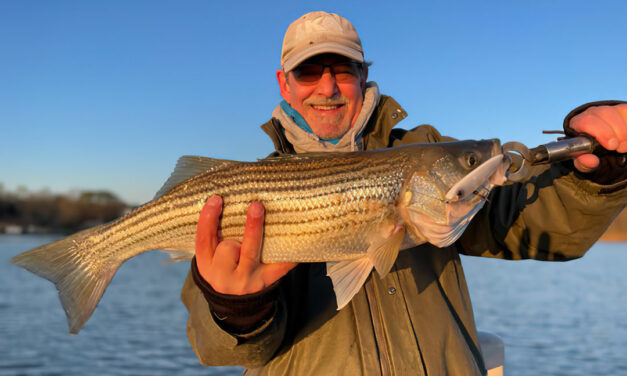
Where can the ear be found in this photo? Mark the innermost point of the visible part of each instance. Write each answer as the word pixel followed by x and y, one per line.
pixel 364 79
pixel 283 85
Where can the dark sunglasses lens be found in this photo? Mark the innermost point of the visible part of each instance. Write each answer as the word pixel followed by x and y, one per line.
pixel 346 72
pixel 308 72
pixel 343 72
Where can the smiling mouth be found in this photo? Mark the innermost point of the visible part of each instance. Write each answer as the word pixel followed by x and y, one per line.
pixel 326 107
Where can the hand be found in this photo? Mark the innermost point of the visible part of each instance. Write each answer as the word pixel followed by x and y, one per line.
pixel 608 125
pixel 231 267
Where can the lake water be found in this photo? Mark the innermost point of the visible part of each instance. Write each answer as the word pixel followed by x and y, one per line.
pixel 555 318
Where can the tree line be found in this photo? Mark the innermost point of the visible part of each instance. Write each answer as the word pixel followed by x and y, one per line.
pixel 47 212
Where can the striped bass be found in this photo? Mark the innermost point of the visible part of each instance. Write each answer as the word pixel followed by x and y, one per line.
pixel 354 211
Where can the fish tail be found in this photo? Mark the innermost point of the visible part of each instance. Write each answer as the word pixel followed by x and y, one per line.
pixel 79 282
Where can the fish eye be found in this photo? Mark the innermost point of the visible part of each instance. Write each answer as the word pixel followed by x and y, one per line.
pixel 471 159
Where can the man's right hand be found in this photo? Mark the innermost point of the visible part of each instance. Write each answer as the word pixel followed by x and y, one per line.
pixel 231 267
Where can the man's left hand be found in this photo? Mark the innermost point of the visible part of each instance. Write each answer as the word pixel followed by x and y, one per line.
pixel 608 125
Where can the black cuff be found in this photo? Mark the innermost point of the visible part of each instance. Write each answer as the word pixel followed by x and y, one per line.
pixel 238 314
pixel 613 166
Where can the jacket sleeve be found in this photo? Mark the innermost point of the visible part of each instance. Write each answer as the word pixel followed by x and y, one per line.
pixel 216 347
pixel 554 216
pixel 557 215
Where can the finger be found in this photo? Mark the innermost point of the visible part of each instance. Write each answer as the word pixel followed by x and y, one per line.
pixel 271 273
pixel 250 258
pixel 612 116
pixel 207 232
pixel 227 256
pixel 622 111
pixel 596 127
pixel 587 163
pixel 224 263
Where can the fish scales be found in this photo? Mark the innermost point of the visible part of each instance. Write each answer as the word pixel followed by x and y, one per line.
pixel 198 193
pixel 337 208
pixel 318 190
pixel 295 223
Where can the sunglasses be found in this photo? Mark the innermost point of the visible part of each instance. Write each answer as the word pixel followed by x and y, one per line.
pixel 346 71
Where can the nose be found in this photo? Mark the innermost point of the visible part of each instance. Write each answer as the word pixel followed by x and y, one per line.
pixel 327 85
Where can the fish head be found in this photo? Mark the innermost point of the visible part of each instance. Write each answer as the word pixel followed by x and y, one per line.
pixel 446 184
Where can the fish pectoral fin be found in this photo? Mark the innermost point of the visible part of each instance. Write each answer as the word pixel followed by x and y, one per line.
pixel 188 166
pixel 348 277
pixel 383 253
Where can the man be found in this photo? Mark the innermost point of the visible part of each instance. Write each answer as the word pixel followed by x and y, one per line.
pixel 282 318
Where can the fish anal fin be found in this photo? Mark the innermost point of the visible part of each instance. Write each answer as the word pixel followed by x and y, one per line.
pixel 383 253
pixel 188 166
pixel 348 277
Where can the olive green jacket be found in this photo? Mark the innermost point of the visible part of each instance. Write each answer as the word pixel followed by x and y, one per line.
pixel 418 320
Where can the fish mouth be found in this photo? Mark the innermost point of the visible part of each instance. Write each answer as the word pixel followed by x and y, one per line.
pixel 476 180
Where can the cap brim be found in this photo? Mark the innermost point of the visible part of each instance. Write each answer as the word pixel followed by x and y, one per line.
pixel 322 48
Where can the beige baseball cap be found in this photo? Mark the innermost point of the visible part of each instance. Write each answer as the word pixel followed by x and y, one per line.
pixel 317 33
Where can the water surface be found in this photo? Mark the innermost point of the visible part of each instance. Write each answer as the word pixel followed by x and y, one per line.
pixel 556 318
pixel 137 329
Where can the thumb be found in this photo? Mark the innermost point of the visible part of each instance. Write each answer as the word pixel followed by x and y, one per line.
pixel 587 163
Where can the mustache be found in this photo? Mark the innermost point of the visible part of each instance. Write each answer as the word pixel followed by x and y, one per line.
pixel 324 101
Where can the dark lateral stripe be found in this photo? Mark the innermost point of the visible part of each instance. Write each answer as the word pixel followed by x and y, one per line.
pixel 290 166
pixel 253 175
pixel 306 169
pixel 304 219
pixel 243 173
pixel 309 206
pixel 297 170
pixel 306 182
pixel 142 233
pixel 334 227
pixel 190 225
pixel 136 219
pixel 199 188
pixel 251 182
pixel 191 197
pixel 305 191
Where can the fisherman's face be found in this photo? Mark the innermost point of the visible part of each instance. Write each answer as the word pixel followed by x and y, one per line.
pixel 329 101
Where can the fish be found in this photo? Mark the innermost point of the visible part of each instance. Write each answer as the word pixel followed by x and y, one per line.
pixel 353 211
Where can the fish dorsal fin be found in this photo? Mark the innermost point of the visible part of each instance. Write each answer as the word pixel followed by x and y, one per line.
pixel 348 276
pixel 188 166
pixel 384 255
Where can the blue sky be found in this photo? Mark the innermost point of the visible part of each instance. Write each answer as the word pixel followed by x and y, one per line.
pixel 107 95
